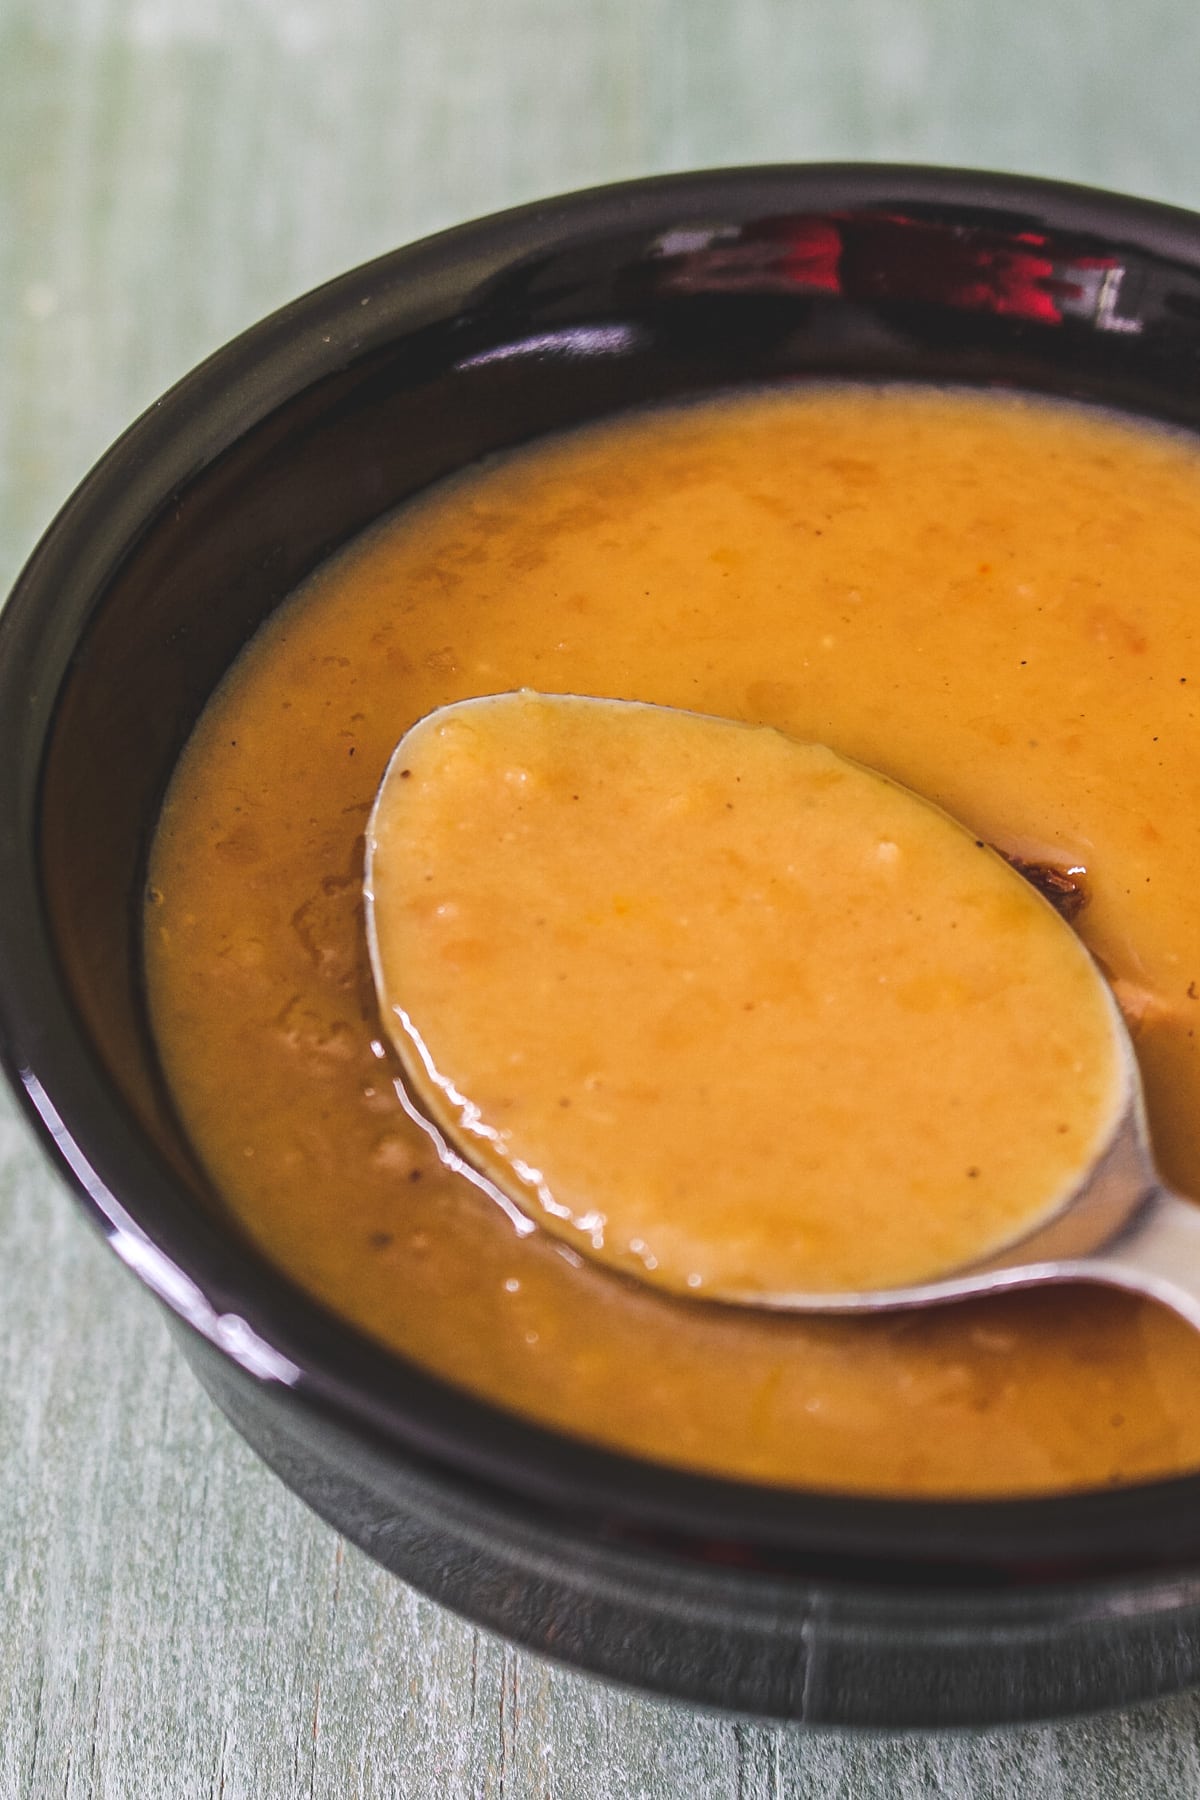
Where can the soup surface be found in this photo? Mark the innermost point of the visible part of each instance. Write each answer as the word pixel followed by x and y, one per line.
pixel 991 600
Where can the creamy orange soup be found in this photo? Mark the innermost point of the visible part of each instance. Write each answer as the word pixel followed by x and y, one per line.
pixel 990 600
pixel 723 1009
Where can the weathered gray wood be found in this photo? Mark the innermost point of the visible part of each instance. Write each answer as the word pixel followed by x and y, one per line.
pixel 173 1623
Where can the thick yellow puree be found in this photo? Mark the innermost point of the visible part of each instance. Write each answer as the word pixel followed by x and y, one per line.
pixel 990 600
pixel 722 1008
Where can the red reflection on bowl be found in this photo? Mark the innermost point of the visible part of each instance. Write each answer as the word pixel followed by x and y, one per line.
pixel 884 256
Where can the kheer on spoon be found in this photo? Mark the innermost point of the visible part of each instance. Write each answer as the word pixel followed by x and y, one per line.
pixel 737 1015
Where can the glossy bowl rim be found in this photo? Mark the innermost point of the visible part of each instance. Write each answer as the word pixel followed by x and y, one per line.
pixel 233 1296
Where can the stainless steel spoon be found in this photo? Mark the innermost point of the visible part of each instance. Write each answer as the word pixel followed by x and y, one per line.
pixel 1119 1225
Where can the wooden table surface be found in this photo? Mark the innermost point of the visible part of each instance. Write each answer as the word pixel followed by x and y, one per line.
pixel 174 1623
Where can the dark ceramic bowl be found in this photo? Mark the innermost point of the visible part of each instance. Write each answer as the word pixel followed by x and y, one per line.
pixel 198 522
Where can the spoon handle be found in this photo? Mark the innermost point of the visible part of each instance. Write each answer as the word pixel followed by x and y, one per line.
pixel 1157 1253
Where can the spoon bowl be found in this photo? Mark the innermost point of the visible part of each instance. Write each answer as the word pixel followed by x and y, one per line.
pixel 523 840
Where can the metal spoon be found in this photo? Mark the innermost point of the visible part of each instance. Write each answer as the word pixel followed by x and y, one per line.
pixel 1118 1225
